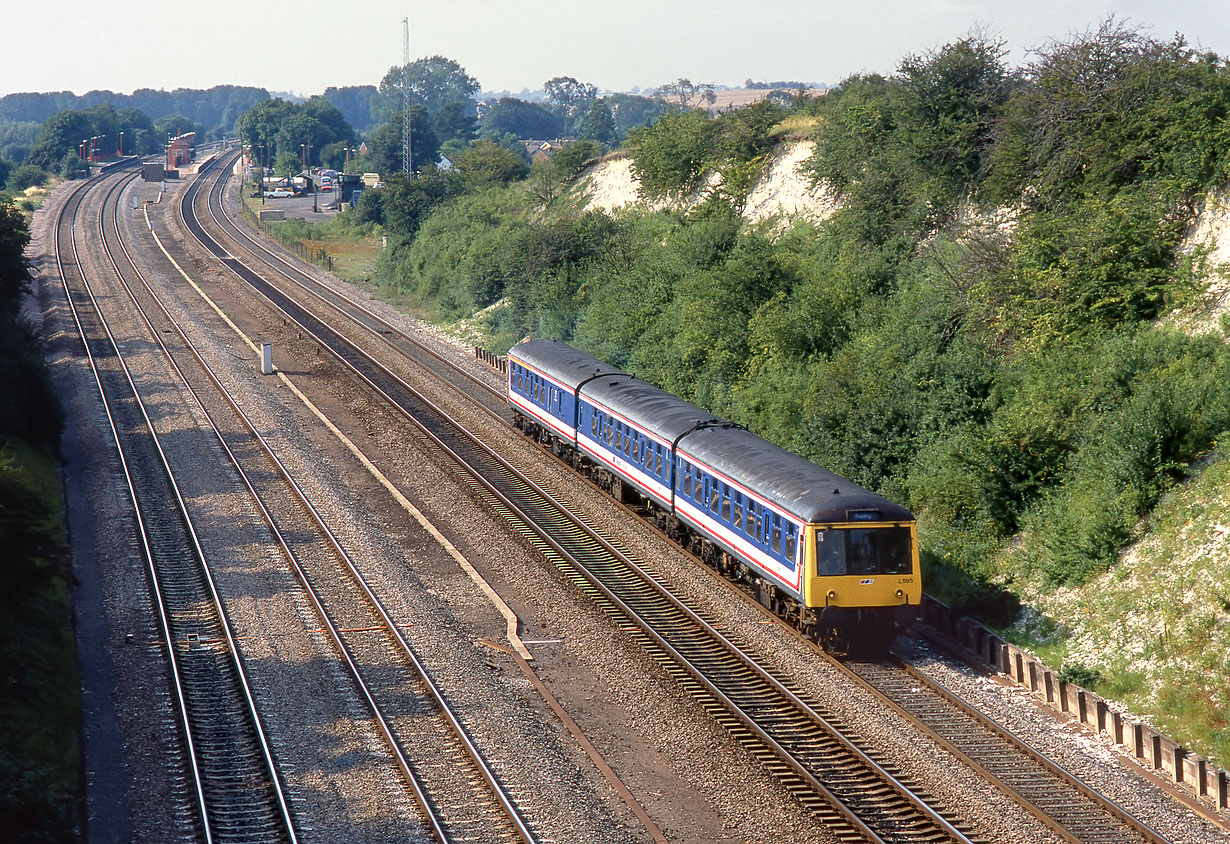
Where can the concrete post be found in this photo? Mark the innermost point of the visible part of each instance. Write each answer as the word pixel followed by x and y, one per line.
pixel 266 358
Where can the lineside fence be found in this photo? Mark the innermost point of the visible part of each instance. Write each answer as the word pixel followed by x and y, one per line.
pixel 1137 739
pixel 311 253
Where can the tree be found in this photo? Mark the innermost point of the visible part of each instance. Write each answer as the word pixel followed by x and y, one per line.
pixel 457 122
pixel 384 144
pixel 631 111
pixel 522 119
pixel 683 94
pixel 140 136
pixel 61 133
pixel 597 123
pixel 329 124
pixel 434 82
pixel 568 93
pixel 27 175
pixel 14 271
pixel 487 163
pixel 175 124
pixel 670 157
pixel 283 127
pixel 355 104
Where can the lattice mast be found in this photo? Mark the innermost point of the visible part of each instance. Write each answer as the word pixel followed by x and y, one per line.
pixel 405 98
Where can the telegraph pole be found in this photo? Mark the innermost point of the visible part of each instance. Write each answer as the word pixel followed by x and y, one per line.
pixel 405 98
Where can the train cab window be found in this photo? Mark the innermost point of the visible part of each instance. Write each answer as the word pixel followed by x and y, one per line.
pixel 863 551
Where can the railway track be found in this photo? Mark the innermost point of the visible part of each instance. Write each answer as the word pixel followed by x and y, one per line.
pixel 237 793
pixel 855 795
pixel 435 756
pixel 1063 803
pixel 1071 809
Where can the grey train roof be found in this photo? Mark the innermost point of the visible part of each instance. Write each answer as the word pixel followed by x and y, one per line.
pixel 562 362
pixel 787 480
pixel 654 409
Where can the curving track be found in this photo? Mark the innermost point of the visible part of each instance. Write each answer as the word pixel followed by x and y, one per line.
pixel 1066 806
pixel 238 795
pixel 432 751
pixel 846 787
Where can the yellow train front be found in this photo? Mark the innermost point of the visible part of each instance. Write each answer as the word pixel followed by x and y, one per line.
pixel 863 582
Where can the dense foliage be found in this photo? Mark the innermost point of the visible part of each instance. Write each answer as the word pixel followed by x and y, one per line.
pixel 973 332
pixel 276 127
pixel 216 109
pixel 38 757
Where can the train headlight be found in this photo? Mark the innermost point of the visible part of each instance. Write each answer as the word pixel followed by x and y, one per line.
pixel 900 593
pixel 832 596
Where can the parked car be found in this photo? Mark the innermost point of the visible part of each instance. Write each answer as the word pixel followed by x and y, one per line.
pixel 279 193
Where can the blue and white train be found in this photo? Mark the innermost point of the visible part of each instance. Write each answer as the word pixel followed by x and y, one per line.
pixel 837 561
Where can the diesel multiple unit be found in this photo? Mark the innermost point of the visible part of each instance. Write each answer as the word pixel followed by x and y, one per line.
pixel 836 560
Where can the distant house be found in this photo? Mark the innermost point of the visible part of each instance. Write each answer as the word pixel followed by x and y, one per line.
pixel 543 150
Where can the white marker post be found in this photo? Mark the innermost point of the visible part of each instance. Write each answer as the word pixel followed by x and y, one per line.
pixel 266 358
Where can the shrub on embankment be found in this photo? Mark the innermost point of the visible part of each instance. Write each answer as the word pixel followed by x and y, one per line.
pixel 39 760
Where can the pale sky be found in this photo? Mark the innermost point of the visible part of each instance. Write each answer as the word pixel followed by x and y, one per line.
pixel 307 45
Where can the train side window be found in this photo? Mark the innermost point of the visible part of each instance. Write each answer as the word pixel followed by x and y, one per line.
pixel 619 437
pixel 714 497
pixel 701 480
pixel 687 481
pixel 726 506
pixel 776 544
pixel 791 542
pixel 738 522
pixel 657 459
pixel 759 526
pixel 610 431
pixel 628 443
pixel 593 422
